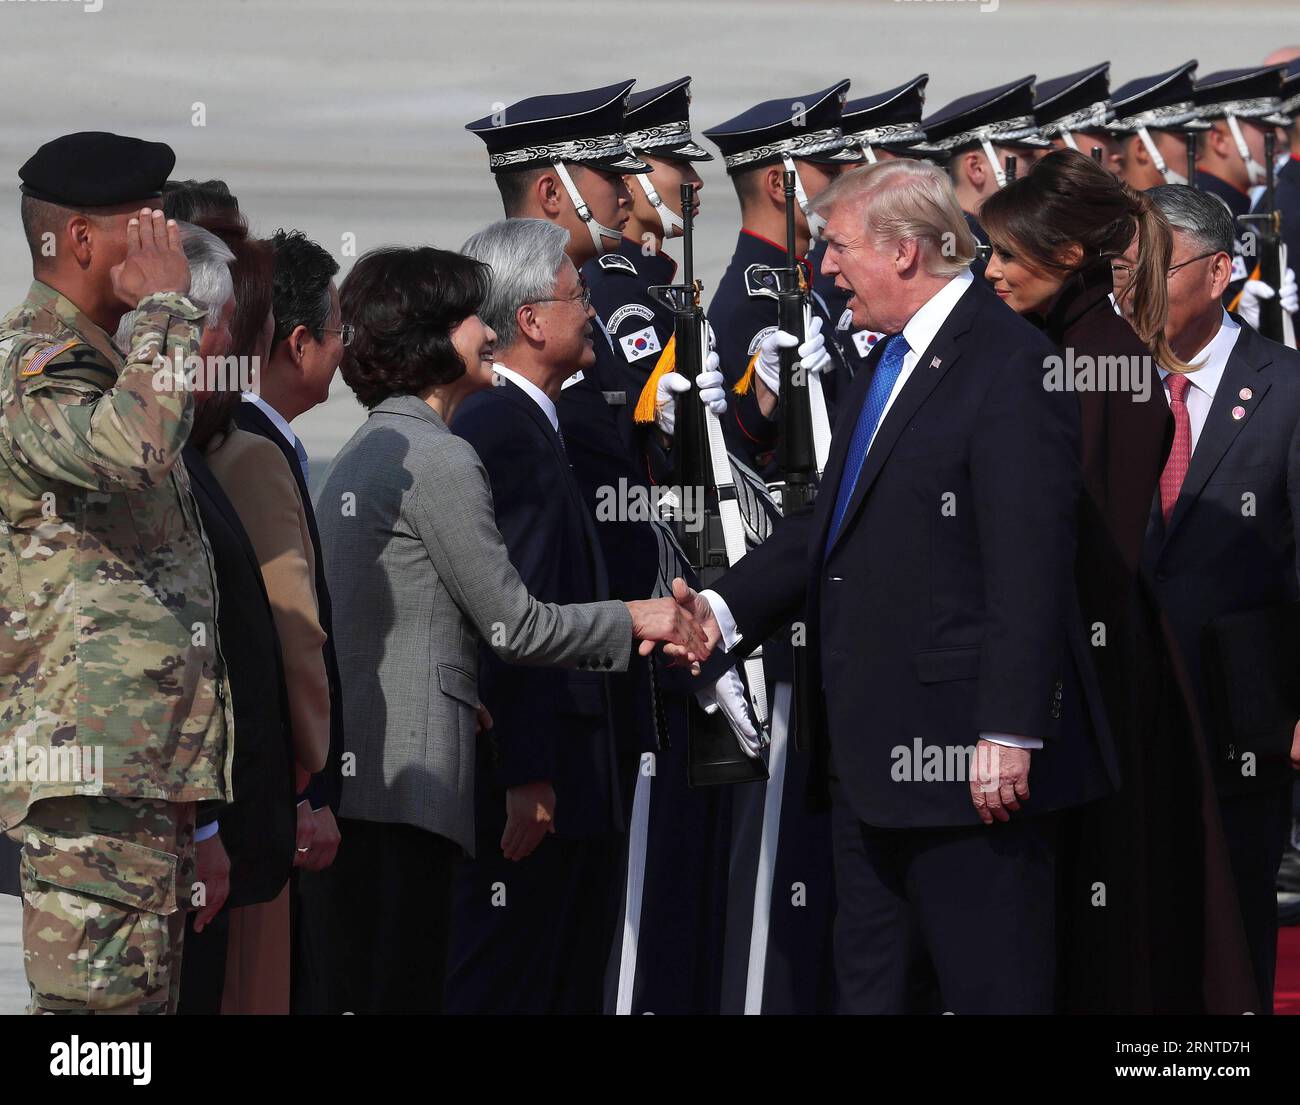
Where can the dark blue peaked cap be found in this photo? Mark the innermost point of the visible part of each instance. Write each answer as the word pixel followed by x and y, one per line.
pixel 806 128
pixel 1004 115
pixel 94 168
pixel 659 122
pixel 1162 100
pixel 585 128
pixel 1290 97
pixel 1254 93
pixel 1077 102
pixel 890 119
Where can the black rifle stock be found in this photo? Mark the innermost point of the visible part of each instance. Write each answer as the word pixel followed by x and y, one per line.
pixel 1265 229
pixel 795 454
pixel 713 756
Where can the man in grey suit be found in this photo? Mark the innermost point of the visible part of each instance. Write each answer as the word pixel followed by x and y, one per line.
pixel 421 577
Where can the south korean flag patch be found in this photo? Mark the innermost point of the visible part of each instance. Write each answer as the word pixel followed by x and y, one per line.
pixel 864 341
pixel 642 344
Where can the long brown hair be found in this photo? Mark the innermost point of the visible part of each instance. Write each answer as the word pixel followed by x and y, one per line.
pixel 1068 199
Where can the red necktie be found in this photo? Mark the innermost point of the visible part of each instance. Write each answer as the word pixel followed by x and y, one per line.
pixel 1171 479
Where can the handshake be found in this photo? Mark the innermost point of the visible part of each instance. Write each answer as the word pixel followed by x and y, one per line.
pixel 686 625
pixel 683 623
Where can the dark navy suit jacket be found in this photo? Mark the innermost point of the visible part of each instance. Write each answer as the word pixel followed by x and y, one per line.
pixel 946 607
pixel 548 725
pixel 1230 545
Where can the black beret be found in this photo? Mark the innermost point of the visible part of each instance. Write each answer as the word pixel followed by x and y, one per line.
pixel 97 169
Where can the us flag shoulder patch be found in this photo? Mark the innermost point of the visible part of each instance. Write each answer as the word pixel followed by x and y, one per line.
pixel 37 364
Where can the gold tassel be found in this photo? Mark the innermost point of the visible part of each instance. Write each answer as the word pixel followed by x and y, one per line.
pixel 746 381
pixel 645 405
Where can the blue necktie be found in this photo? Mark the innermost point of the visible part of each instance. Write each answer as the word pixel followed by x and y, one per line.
pixel 882 386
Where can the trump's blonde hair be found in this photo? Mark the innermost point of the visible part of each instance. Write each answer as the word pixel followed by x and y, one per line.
pixel 904 200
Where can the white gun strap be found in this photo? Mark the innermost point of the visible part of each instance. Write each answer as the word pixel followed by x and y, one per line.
pixel 733 537
pixel 821 423
pixel 1288 323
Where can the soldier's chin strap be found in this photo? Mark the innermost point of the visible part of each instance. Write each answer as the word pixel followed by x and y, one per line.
pixel 1254 170
pixel 668 218
pixel 816 223
pixel 868 153
pixel 1068 139
pixel 598 231
pixel 999 173
pixel 1171 177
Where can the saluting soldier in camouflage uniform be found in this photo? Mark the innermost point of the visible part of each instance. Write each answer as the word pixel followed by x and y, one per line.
pixel 108 650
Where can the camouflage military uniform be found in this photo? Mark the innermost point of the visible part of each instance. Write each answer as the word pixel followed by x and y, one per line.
pixel 107 643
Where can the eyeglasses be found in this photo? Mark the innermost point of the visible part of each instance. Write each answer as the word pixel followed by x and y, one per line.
pixel 583 297
pixel 347 332
pixel 1122 273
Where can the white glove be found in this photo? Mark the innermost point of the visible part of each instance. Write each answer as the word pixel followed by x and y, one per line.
pixel 709 384
pixel 728 694
pixel 812 354
pixel 1255 291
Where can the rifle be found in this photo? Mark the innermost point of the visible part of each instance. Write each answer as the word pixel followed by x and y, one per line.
pixel 711 535
pixel 1189 138
pixel 804 430
pixel 1265 229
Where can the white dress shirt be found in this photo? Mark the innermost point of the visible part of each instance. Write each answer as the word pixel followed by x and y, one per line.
pixel 536 394
pixel 919 332
pixel 1213 359
pixel 277 420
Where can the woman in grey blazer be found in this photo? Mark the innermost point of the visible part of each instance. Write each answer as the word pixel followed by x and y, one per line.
pixel 419 575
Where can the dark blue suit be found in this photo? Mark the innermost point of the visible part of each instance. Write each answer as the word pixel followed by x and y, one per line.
pixel 543 950
pixel 1230 547
pixel 945 609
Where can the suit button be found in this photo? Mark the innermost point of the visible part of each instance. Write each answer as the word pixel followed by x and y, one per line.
pixel 1056 694
pixel 1056 713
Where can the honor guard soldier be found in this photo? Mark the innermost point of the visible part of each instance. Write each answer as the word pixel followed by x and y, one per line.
pixel 1288 175
pixel 777 952
pixel 1239 106
pixel 114 709
pixel 882 126
pixel 563 158
pixel 658 131
pixel 802 134
pixel 1073 111
pixel 978 133
pixel 1153 116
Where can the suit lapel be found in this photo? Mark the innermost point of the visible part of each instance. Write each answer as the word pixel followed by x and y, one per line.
pixel 1249 356
pixel 517 395
pixel 931 367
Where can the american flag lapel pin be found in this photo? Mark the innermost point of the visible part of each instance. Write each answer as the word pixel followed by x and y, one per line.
pixel 936 363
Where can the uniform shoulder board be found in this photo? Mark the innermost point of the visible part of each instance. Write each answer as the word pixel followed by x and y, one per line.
pixel 758 281
pixel 74 360
pixel 612 262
